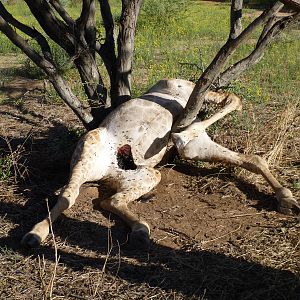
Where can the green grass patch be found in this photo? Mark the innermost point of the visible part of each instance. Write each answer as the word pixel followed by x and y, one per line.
pixel 6 164
pixel 179 39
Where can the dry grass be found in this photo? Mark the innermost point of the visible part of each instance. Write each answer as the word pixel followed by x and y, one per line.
pixel 216 233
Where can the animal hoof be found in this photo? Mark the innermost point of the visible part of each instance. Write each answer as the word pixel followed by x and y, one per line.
pixel 139 239
pixel 31 240
pixel 287 204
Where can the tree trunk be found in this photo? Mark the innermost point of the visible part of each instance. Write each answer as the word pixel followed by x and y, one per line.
pixel 213 71
pixel 130 12
pixel 294 4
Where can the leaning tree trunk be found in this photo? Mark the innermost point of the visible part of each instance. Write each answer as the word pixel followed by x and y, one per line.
pixel 214 76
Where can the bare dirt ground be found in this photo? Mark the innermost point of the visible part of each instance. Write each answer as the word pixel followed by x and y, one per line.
pixel 215 230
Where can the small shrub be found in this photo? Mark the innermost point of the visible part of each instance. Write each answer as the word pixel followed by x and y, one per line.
pixel 161 12
pixel 12 163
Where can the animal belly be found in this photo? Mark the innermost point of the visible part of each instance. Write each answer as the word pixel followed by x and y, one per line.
pixel 147 146
pixel 145 126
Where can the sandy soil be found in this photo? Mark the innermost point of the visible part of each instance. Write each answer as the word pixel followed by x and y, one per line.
pixel 215 230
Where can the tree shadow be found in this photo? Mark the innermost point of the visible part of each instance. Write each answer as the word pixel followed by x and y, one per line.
pixel 264 201
pixel 194 273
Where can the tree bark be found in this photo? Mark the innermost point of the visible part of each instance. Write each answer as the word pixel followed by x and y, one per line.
pixel 62 12
pixel 236 18
pixel 72 101
pixel 50 69
pixel 77 40
pixel 234 71
pixel 90 29
pixel 107 50
pixel 130 12
pixel 212 72
pixel 295 4
pixel 55 28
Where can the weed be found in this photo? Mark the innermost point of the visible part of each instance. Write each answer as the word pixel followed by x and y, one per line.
pixel 163 12
pixel 10 254
pixel 296 185
pixel 76 133
pixel 6 164
pixel 12 162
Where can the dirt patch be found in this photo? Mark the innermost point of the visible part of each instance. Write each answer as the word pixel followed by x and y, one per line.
pixel 215 231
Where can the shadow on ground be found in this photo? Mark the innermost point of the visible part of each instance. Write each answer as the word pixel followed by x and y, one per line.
pixel 189 272
pixel 192 272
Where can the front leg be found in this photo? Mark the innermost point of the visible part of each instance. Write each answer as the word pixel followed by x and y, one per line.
pixel 203 148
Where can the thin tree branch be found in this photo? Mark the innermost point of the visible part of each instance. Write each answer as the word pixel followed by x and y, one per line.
pixel 107 50
pixel 236 18
pixel 25 47
pixel 214 69
pixel 57 81
pixel 72 101
pixel 90 28
pixel 33 33
pixel 55 28
pixel 266 28
pixel 295 4
pixel 62 12
pixel 84 16
pixel 235 70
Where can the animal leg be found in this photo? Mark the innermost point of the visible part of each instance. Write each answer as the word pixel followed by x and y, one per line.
pixel 132 184
pixel 231 101
pixel 65 200
pixel 84 167
pixel 203 148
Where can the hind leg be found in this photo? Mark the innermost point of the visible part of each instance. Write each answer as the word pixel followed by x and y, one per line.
pixel 203 148
pixel 84 167
pixel 131 185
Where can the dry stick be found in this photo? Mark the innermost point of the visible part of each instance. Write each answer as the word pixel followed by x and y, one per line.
pixel 51 283
pixel 119 259
pixel 41 273
pixel 109 249
pixel 221 236
pixel 242 215
pixel 14 156
pixel 62 12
